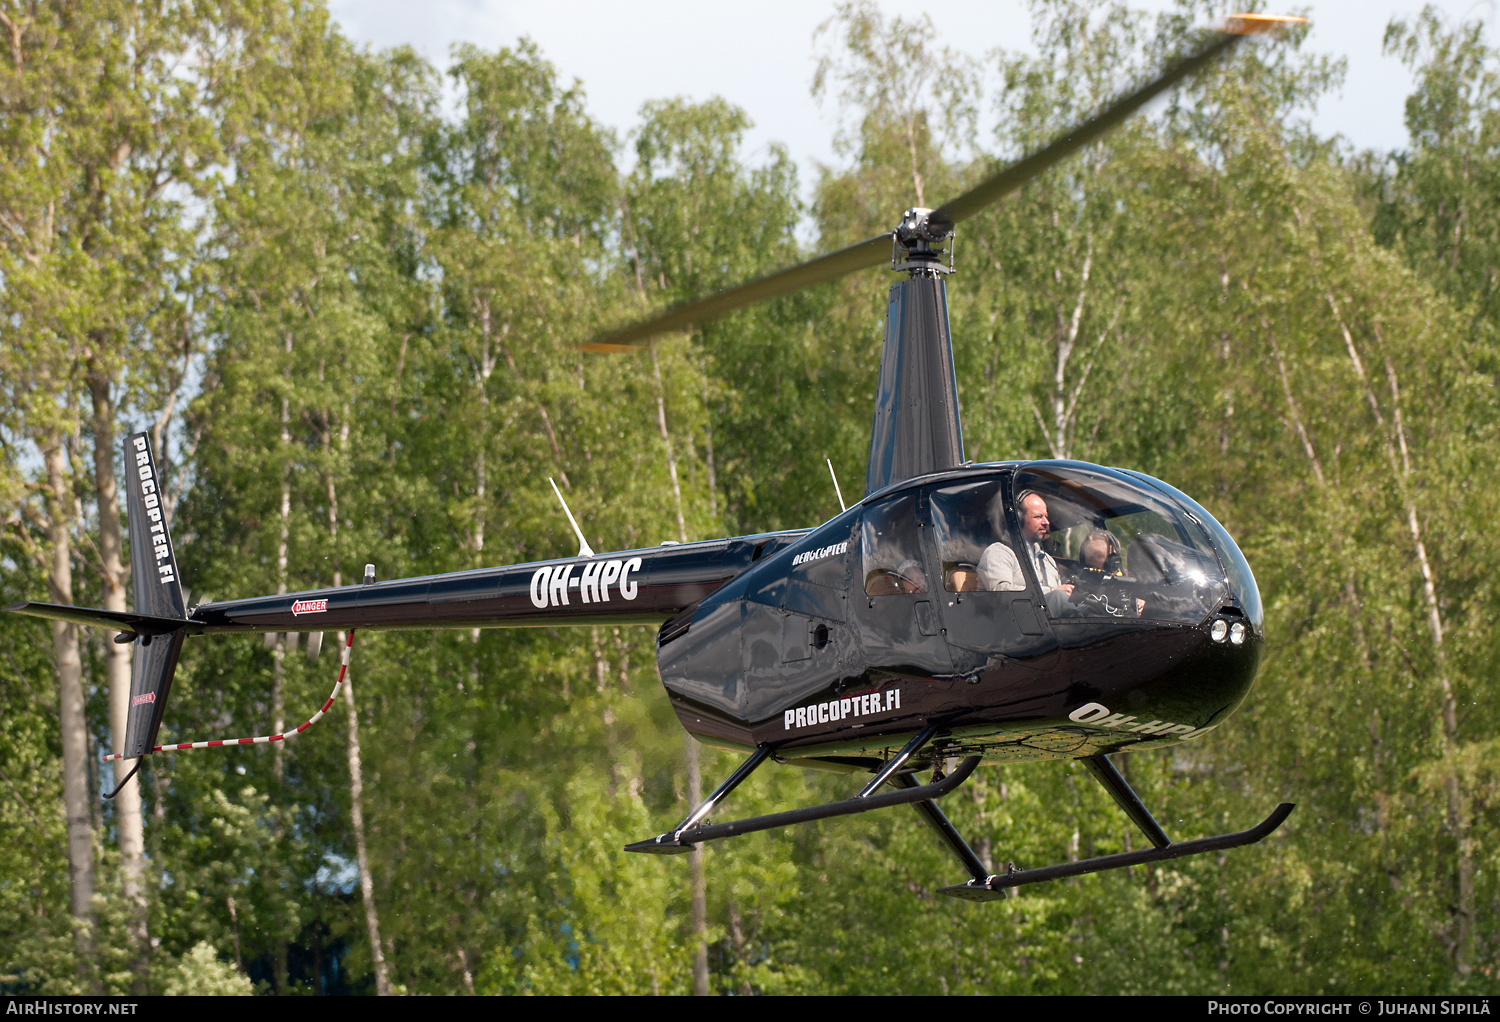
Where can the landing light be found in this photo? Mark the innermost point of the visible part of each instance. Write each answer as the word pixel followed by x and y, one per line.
pixel 1219 630
pixel 1237 633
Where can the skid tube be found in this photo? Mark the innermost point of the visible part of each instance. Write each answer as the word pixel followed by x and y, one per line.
pixel 690 832
pixel 996 886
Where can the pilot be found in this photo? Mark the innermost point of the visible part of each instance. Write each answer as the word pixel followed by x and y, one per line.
pixel 1000 571
pixel 910 577
pixel 1098 547
pixel 1101 551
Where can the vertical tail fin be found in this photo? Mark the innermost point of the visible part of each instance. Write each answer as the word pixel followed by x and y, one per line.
pixel 153 564
pixel 156 590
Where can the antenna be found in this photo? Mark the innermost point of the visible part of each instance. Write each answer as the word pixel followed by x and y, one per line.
pixel 842 506
pixel 584 550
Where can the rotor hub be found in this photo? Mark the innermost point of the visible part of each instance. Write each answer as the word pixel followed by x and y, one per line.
pixel 917 244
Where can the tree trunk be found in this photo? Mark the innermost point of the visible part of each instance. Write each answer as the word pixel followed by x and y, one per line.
pixel 129 823
pixel 279 969
pixel 1398 455
pixel 357 811
pixel 71 710
pixel 278 639
pixel 356 767
pixel 1458 808
pixel 697 881
pixel 695 871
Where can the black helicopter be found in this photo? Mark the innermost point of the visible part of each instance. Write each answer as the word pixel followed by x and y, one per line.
pixel 960 613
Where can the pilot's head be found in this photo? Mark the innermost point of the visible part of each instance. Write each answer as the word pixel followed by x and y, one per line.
pixel 1034 524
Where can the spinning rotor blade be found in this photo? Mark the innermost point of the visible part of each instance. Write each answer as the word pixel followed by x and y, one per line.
pixel 1010 179
pixel 999 185
pixel 876 250
pixel 871 252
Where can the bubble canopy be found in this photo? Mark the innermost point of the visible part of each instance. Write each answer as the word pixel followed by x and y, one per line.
pixel 1241 578
pixel 1106 543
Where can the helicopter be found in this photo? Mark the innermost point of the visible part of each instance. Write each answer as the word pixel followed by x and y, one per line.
pixel 958 614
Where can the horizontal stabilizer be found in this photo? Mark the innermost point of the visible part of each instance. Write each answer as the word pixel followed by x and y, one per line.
pixel 126 620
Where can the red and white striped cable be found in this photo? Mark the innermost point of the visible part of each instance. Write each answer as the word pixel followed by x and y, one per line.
pixel 263 739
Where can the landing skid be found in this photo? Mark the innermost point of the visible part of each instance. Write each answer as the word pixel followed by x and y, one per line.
pixel 982 887
pixel 982 884
pixel 691 831
pixel 995 886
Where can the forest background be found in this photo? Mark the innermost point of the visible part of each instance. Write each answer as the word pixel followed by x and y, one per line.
pixel 348 314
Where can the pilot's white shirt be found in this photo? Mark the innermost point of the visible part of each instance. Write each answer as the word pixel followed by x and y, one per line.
pixel 1000 571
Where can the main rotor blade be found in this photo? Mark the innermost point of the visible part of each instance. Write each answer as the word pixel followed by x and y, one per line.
pixel 999 185
pixel 876 250
pixel 867 253
pixel 996 187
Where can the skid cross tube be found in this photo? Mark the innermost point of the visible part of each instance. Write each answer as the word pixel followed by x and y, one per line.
pixel 672 844
pixel 921 738
pixel 996 885
pixel 938 821
pixel 848 807
pixel 1125 797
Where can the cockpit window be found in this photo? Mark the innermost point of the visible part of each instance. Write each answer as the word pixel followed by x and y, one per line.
pixel 974 543
pixel 1105 545
pixel 891 550
pixel 1241 578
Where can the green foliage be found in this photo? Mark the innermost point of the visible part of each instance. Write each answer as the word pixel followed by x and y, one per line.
pixel 199 973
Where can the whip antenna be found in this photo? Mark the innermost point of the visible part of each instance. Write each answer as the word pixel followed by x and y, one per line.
pixel 842 506
pixel 584 550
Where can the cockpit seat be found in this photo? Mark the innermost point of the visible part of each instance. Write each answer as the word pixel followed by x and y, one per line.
pixel 961 578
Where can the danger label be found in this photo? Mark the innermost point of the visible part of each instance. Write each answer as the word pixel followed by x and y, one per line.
pixel 143 699
pixel 310 607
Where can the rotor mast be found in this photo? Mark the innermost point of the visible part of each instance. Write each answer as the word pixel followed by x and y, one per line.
pixel 916 427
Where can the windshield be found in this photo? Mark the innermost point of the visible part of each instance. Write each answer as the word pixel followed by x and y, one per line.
pixel 1241 578
pixel 1101 544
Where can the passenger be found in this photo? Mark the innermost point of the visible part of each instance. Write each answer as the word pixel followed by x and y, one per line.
pixel 910 577
pixel 1000 571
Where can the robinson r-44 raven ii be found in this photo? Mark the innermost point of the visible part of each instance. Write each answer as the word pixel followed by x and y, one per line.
pixel 959 614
